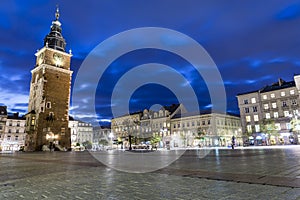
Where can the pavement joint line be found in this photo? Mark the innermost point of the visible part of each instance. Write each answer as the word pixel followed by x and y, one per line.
pixel 261 177
pixel 223 176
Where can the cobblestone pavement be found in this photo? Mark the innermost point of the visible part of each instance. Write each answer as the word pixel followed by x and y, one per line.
pixel 222 174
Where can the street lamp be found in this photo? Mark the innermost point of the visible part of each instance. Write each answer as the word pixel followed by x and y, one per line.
pixel 111 135
pixel 295 127
pixel 163 131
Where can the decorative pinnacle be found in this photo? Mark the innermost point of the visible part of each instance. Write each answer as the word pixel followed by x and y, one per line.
pixel 57 13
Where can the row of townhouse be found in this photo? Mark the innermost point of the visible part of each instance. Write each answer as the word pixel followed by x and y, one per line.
pixel 270 114
pixel 84 133
pixel 12 131
pixel 178 128
pixel 81 132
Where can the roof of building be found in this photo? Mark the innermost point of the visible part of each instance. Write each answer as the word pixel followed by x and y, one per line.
pixel 101 127
pixel 132 113
pixel 202 112
pixel 243 93
pixel 172 108
pixel 15 116
pixel 3 110
pixel 281 84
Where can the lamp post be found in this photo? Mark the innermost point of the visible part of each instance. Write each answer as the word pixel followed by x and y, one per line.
pixel 111 135
pixel 163 131
pixel 295 127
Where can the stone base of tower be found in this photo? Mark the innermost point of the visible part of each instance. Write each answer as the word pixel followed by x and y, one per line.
pixel 35 142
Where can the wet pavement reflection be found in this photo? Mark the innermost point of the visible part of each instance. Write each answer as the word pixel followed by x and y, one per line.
pixel 197 174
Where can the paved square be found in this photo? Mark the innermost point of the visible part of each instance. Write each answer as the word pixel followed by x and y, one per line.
pixel 223 174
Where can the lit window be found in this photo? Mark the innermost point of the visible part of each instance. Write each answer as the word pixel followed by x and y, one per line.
pixel 288 126
pixel 292 92
pixel 254 109
pixel 268 116
pixel 282 94
pixel 257 128
pixel 253 100
pixel 295 112
pixel 245 101
pixel 272 95
pixel 275 114
pixel 249 128
pixel 265 97
pixel 266 106
pixel 63 131
pixel 277 125
pixel 256 119
pixel 274 105
pixel 246 110
pixel 248 119
pixel 286 113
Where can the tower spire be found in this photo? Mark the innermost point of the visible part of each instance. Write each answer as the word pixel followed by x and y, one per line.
pixel 55 39
pixel 57 13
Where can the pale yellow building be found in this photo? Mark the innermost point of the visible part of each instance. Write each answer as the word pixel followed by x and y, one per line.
pixel 275 106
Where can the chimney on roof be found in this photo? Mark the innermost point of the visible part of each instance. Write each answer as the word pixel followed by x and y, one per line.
pixel 16 115
pixel 280 82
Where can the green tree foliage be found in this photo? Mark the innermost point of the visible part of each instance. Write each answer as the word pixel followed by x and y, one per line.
pixel 200 134
pixel 268 127
pixel 155 140
pixel 103 142
pixel 87 144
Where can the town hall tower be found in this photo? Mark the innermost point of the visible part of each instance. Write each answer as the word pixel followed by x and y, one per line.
pixel 49 100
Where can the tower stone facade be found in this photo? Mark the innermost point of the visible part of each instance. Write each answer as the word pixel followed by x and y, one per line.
pixel 48 110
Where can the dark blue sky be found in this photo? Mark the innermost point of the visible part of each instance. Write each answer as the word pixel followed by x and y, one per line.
pixel 253 43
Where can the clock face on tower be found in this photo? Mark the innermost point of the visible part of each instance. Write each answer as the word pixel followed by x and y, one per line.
pixel 58 59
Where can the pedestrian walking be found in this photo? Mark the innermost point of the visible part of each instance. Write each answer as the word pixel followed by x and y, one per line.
pixel 232 142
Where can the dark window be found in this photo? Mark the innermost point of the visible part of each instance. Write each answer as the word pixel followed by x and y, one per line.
pixel 246 110
pixel 254 109
pixel 284 104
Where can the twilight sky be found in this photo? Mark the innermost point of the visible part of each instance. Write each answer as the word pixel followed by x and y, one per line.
pixel 253 43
